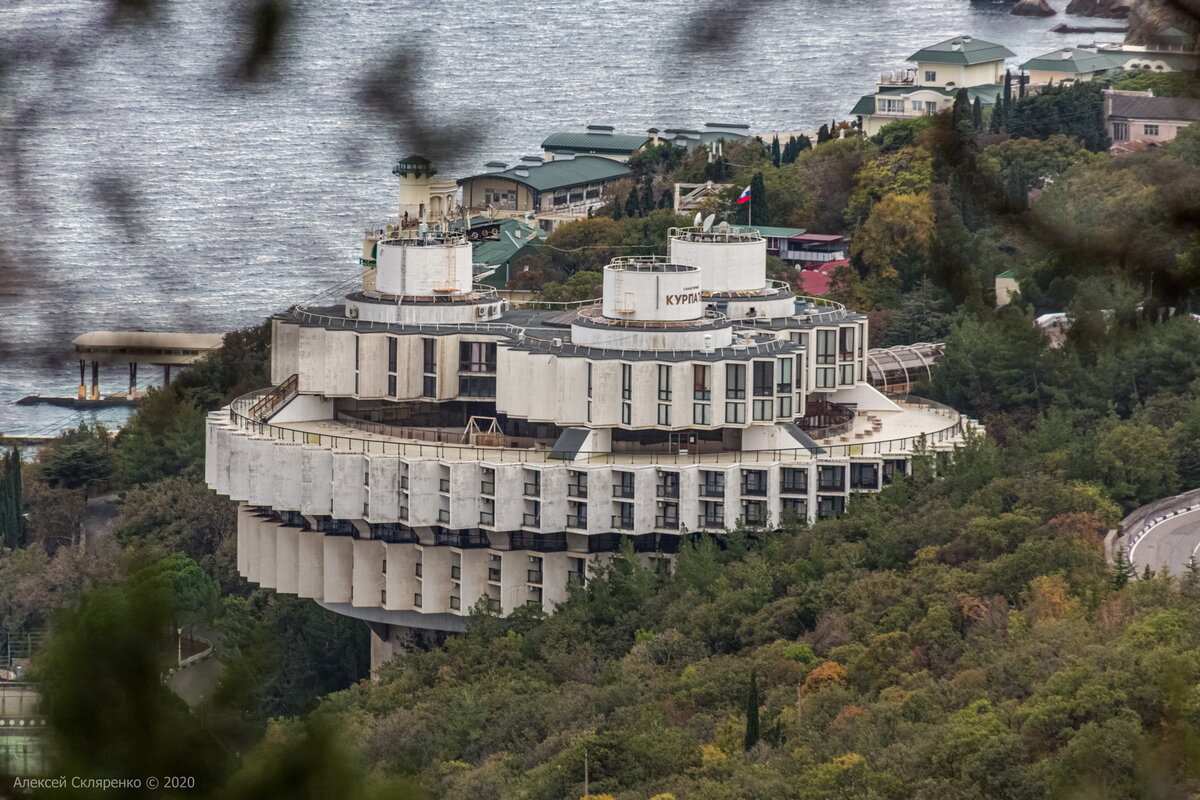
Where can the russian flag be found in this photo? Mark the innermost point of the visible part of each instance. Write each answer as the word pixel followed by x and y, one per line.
pixel 744 197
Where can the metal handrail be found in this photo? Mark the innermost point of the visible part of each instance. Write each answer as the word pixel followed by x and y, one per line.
pixel 238 412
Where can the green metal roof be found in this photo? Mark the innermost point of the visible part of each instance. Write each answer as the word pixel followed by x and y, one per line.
pixel 594 142
pixel 1073 60
pixel 1008 274
pixel 560 174
pixel 772 232
pixel 962 50
pixel 865 106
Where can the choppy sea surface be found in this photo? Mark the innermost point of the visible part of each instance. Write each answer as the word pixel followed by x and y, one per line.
pixel 140 187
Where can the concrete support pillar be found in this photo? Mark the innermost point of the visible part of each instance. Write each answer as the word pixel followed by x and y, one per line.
pixel 338 569
pixel 311 581
pixel 95 380
pixel 82 379
pixel 287 559
pixel 166 375
pixel 367 574
pixel 132 379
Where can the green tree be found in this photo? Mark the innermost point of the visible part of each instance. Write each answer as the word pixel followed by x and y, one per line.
pixel 12 504
pixel 752 701
pixel 823 134
pixel 79 458
pixel 758 210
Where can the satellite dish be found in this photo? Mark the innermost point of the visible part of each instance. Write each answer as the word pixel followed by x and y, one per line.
pixel 708 222
pixel 696 221
pixel 723 227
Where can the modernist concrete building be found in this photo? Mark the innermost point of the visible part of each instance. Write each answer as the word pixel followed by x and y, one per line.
pixel 929 87
pixel 426 448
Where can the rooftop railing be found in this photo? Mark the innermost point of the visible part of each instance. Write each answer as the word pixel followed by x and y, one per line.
pixel 943 437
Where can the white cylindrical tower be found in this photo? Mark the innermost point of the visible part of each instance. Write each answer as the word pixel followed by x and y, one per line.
pixel 650 304
pixel 430 265
pixel 730 259
pixel 648 291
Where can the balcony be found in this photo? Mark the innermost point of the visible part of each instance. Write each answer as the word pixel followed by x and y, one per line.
pixel 444 486
pixel 623 491
pixel 533 489
pixel 712 490
pixel 577 521
pixel 793 487
pixel 577 490
pixel 754 490
pixel 668 490
pixel 532 520
pixel 487 517
pixel 494 574
pixel 710 522
pixel 533 576
pixel 670 523
pixel 488 488
pixel 621 522
pixel 444 515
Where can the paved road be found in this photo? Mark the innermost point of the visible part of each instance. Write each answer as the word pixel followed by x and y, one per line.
pixel 1170 544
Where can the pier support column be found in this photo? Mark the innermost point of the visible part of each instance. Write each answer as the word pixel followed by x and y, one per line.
pixel 82 379
pixel 95 380
pixel 132 379
pixel 166 375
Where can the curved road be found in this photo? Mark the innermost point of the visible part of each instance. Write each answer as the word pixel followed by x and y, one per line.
pixel 1170 544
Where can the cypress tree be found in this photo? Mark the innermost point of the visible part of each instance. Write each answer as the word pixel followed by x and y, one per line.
pixel 752 713
pixel 633 203
pixel 823 134
pixel 759 209
pixel 977 115
pixel 12 524
pixel 802 144
pixel 648 203
pixel 775 154
pixel 1007 98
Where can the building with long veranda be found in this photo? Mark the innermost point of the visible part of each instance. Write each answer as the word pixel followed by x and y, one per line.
pixel 426 448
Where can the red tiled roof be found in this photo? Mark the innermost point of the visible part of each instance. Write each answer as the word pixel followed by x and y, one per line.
pixel 816 281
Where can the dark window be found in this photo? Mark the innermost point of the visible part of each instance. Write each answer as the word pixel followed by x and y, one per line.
pixel 754 482
pixel 764 378
pixel 392 385
pixel 847 344
pixel 392 346
pixel 793 480
pixel 668 484
pixel 623 519
pixel 796 507
pixel 577 484
pixel 477 357
pixel 476 386
pixel 754 512
pixel 826 345
pixel 735 381
pixel 429 353
pixel 664 382
pixel 831 479
pixel 712 514
pixel 623 484
pixel 668 516
pixel 892 468
pixel 712 484
pixel 429 386
pixel 828 507
pixel 626 381
pixel 864 476
pixel 701 382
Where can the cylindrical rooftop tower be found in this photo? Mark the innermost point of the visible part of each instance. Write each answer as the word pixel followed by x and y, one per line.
pixel 647 291
pixel 427 265
pixel 651 304
pixel 730 259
